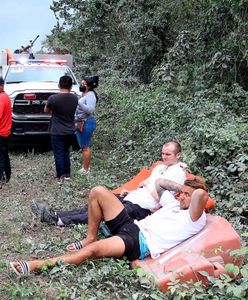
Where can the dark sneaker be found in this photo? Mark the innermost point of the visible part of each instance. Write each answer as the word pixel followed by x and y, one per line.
pixel 45 213
pixel 49 216
pixel 37 207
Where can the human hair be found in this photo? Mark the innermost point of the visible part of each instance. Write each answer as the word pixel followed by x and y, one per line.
pixel 197 182
pixel 176 144
pixel 92 84
pixel 65 82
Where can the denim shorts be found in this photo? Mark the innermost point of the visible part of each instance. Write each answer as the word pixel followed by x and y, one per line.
pixel 84 137
pixel 123 226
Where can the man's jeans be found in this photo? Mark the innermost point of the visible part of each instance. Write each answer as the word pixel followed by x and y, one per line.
pixel 5 169
pixel 80 216
pixel 61 145
pixel 75 216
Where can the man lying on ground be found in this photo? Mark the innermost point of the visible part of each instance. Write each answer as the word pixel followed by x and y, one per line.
pixel 130 238
pixel 138 203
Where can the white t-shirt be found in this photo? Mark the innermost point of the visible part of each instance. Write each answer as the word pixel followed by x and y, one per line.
pixel 168 227
pixel 142 196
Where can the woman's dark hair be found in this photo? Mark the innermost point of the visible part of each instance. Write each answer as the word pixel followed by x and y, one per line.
pixel 92 83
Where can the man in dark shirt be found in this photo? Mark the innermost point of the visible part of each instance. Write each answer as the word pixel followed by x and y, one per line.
pixel 62 107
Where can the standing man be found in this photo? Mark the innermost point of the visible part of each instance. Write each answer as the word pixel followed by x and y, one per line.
pixel 5 129
pixel 62 107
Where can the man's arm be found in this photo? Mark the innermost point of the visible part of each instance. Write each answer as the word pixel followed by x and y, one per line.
pixel 49 105
pixel 198 203
pixel 47 109
pixel 162 185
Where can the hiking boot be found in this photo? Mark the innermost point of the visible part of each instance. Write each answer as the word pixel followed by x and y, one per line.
pixel 45 213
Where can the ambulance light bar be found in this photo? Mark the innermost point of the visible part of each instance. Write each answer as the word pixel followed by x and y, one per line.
pixel 23 60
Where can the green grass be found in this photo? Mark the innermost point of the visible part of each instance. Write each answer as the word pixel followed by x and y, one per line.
pixel 23 237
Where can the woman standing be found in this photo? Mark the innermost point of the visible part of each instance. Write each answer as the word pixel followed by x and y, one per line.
pixel 85 121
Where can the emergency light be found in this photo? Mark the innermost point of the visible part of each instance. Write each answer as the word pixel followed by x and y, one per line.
pixel 29 96
pixel 24 60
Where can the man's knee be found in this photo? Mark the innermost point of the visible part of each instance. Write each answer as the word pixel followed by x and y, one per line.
pixel 94 250
pixel 97 191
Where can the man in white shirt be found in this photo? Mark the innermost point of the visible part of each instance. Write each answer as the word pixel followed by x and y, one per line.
pixel 138 203
pixel 134 239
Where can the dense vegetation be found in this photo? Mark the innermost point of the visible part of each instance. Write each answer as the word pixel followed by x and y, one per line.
pixel 169 69
pixel 129 39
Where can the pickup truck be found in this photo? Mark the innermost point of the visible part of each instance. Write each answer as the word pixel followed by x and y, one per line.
pixel 29 83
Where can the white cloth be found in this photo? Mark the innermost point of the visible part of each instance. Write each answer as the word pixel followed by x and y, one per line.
pixel 168 199
pixel 168 227
pixel 142 196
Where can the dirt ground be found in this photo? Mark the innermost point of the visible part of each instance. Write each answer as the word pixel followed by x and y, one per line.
pixel 22 234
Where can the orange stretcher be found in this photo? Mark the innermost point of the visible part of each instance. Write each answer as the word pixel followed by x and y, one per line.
pixel 144 174
pixel 208 251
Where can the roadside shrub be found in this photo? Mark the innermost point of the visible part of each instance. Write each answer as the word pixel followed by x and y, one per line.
pixel 211 125
pixel 212 131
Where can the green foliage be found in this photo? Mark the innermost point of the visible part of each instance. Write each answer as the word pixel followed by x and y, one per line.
pixel 193 54
pixel 134 39
pixel 212 128
pixel 213 134
pixel 121 37
pixel 210 40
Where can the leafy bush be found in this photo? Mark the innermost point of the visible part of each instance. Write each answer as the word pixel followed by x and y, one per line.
pixel 213 132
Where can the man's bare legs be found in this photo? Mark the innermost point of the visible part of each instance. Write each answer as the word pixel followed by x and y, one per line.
pixel 111 247
pixel 102 205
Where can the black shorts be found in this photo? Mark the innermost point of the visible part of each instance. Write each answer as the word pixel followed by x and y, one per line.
pixel 134 210
pixel 124 227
